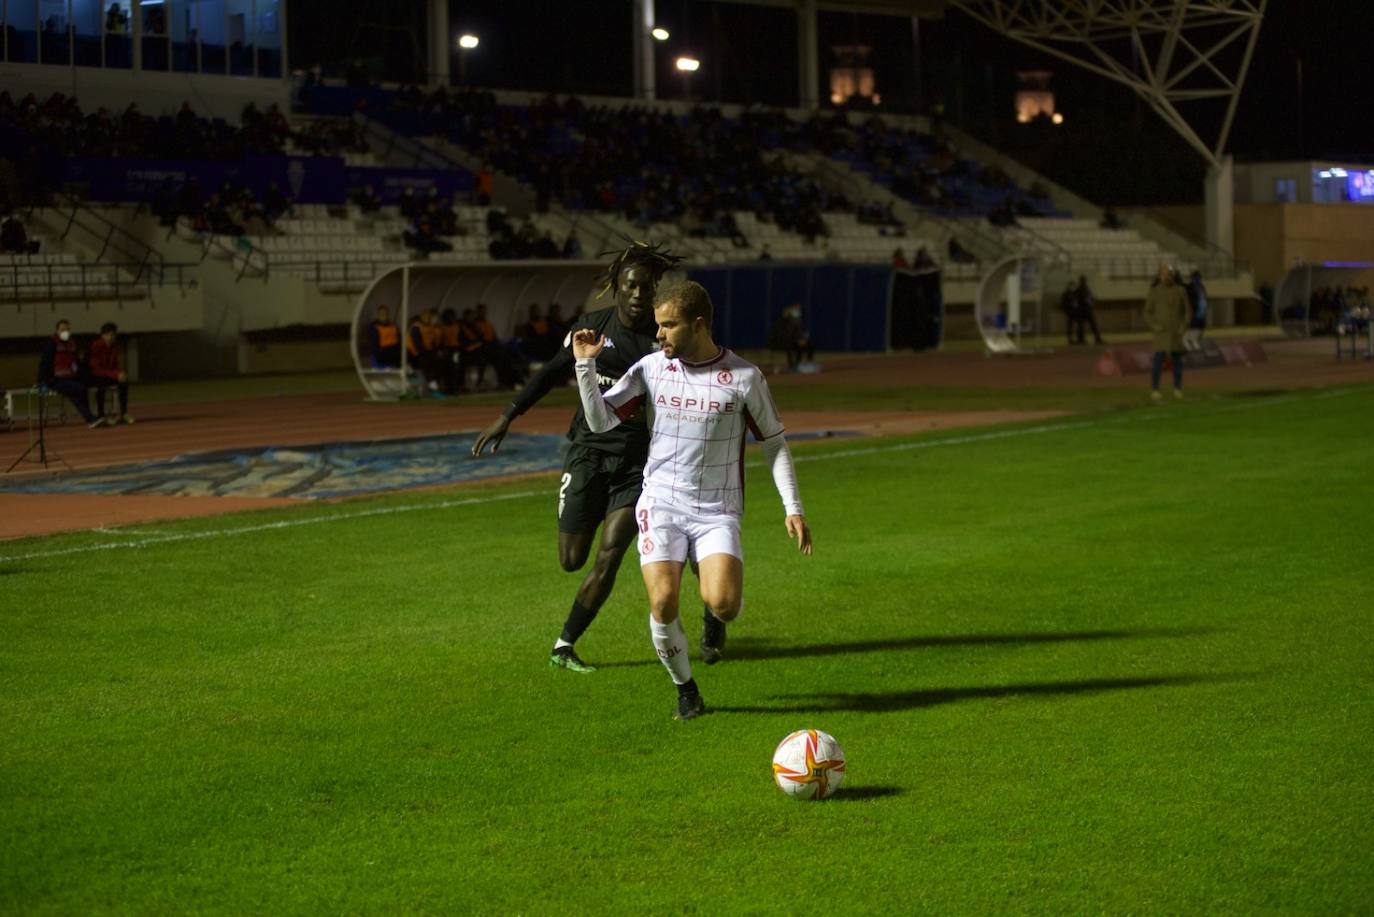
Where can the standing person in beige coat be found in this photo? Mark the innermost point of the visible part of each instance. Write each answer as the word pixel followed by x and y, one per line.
pixel 1167 314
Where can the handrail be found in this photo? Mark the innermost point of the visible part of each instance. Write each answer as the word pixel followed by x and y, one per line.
pixel 112 238
pixel 17 283
pixel 1214 250
pixel 414 154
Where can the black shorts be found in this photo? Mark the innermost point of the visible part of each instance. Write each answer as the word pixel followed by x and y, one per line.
pixel 593 484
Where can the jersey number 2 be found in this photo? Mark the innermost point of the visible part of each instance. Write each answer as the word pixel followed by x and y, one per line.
pixel 563 493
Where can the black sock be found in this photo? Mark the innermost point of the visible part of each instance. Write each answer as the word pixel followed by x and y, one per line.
pixel 712 627
pixel 688 688
pixel 579 619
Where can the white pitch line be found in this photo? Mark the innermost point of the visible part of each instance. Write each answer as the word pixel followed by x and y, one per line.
pixel 269 526
pixel 173 537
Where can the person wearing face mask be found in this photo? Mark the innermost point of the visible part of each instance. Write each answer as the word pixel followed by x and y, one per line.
pixel 59 369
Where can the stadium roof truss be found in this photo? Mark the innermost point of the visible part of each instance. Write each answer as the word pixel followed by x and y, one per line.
pixel 1170 52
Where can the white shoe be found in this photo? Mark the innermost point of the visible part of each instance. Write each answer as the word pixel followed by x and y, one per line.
pixel 1156 395
pixel 1178 394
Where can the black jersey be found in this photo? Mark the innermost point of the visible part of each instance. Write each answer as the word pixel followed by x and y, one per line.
pixel 624 348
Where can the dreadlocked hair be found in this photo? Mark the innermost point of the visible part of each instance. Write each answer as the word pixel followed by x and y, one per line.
pixel 652 255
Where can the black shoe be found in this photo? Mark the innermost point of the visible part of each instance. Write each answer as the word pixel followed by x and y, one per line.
pixel 712 639
pixel 689 707
pixel 564 657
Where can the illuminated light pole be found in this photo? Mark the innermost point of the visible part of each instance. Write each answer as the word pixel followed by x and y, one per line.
pixel 466 42
pixel 687 65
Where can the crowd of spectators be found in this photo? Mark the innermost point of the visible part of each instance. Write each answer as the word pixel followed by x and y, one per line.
pixel 650 166
pixel 654 166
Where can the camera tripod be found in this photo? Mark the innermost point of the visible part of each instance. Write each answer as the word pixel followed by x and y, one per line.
pixel 41 442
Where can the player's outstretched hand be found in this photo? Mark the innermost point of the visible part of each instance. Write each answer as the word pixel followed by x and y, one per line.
pixel 493 435
pixel 798 529
pixel 587 343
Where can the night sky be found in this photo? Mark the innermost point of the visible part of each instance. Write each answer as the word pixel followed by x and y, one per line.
pixel 1111 147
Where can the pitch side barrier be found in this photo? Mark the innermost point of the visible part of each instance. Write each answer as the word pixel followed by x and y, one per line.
pixel 844 307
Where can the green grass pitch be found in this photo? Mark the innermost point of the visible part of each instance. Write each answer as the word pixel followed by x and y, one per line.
pixel 1120 662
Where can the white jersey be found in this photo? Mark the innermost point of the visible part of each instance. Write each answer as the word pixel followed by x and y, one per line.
pixel 702 412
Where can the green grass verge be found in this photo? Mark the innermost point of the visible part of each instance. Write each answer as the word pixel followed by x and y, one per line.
pixel 1119 664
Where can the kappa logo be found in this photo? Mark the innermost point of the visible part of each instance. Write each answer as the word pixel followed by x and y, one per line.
pixel 567 339
pixel 724 377
pixel 672 367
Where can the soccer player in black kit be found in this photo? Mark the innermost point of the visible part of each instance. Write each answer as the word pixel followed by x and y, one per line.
pixel 603 473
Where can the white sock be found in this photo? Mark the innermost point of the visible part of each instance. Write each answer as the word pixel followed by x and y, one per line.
pixel 671 644
pixel 561 643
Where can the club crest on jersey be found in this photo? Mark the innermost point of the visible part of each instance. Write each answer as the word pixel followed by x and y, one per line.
pixel 724 377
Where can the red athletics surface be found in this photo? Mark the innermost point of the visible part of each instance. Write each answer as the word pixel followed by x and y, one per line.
pixel 165 431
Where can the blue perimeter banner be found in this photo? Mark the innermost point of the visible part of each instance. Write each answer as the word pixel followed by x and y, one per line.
pixel 307 179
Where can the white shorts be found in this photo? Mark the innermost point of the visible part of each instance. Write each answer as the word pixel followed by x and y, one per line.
pixel 669 532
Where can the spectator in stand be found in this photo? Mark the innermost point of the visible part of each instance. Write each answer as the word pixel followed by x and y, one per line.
pixel 59 369
pixel 1005 214
pixel 409 205
pixel 957 253
pixel 14 238
pixel 899 259
pixel 922 259
pixel 366 199
pixel 546 248
pixel 1110 220
pixel 384 340
pixel 276 204
pixel 764 253
pixel 163 205
pixel 422 238
pixel 422 347
pixel 1166 314
pixel 105 365
pixel 572 249
pixel 1197 304
pixel 482 187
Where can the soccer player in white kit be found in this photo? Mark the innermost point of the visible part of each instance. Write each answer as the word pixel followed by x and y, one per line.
pixel 705 398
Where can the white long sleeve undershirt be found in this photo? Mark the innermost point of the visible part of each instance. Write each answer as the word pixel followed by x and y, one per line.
pixel 600 417
pixel 778 458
